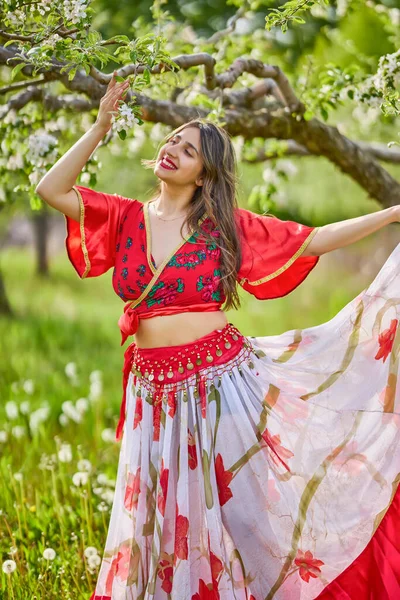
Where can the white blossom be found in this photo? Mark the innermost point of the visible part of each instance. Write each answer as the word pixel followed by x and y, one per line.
pixel 65 453
pixel 18 476
pixel 11 410
pixel 37 417
pixel 9 566
pixel 85 177
pixel 25 407
pixel 28 386
pixel 49 554
pixel 18 431
pixel 63 420
pixel 108 496
pixel 90 551
pixel 75 10
pixel 125 118
pixel 84 465
pixel 108 435
pixel 15 161
pixel 80 478
pixel 270 176
pixel 41 148
pixel 287 167
pixel 3 436
pixel 71 412
pixel 81 405
pixel 96 388
pixel 94 561
pixel 11 117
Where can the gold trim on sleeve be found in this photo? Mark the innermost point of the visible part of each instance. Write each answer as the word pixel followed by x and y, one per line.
pixel 286 265
pixel 82 230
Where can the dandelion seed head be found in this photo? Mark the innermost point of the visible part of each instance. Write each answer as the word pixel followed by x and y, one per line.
pixel 49 554
pixel 9 566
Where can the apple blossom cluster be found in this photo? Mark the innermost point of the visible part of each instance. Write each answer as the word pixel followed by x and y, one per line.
pixel 75 10
pixel 388 71
pixel 125 118
pixel 42 148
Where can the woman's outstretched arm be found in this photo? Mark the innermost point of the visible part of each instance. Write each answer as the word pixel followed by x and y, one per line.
pixel 336 235
pixel 55 188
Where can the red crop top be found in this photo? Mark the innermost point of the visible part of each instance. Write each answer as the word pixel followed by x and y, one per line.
pixel 114 231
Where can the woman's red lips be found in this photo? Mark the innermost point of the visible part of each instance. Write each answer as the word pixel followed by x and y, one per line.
pixel 167 164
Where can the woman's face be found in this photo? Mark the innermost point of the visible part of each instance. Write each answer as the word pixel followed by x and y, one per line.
pixel 183 150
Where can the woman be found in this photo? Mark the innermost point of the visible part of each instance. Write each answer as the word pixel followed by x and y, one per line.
pixel 251 468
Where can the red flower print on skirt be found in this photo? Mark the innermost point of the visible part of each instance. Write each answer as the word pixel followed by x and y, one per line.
pixel 309 566
pixel 132 490
pixel 385 340
pixel 181 540
pixel 216 568
pixel 166 572
pixel 278 451
pixel 192 455
pixel 157 408
pixel 162 492
pixel 205 593
pixel 171 401
pixel 120 567
pixel 138 412
pixel 223 480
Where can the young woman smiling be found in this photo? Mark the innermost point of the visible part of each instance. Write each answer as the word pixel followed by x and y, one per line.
pixel 251 468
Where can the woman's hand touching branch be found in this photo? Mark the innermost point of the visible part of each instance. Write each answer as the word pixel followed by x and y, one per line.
pixel 55 187
pixel 336 235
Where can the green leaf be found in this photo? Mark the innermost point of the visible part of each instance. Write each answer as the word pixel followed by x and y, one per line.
pixel 146 75
pixel 122 134
pixel 324 113
pixel 17 69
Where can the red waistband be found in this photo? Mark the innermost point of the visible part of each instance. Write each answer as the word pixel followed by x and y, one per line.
pixel 129 320
pixel 157 367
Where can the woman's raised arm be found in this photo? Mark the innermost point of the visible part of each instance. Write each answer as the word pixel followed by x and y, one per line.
pixel 55 188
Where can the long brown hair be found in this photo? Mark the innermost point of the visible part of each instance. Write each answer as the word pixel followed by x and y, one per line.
pixel 217 197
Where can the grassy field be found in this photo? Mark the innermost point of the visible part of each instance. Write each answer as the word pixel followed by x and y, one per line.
pixel 60 386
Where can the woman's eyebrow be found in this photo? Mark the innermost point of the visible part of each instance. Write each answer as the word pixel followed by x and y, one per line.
pixel 194 147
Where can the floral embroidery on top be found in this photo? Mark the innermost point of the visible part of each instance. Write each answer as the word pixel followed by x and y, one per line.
pixel 189 260
pixel 208 285
pixel 141 225
pixel 164 293
pixel 124 258
pixel 129 243
pixel 141 270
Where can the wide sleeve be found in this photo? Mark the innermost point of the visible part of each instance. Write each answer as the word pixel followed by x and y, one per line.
pixel 91 242
pixel 272 262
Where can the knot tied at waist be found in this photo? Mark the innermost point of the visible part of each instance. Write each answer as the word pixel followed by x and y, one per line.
pixel 128 322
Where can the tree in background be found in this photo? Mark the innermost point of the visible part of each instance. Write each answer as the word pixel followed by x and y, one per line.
pixel 272 73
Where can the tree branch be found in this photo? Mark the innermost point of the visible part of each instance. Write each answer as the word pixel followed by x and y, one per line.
pixel 292 148
pixel 22 84
pixel 316 137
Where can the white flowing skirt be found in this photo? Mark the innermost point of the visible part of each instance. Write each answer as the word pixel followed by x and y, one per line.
pixel 277 485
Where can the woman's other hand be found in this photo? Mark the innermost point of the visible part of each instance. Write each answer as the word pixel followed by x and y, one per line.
pixel 109 103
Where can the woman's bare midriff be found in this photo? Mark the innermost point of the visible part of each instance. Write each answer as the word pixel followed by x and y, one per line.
pixel 181 328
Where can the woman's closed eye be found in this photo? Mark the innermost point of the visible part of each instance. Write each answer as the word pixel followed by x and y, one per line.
pixel 186 150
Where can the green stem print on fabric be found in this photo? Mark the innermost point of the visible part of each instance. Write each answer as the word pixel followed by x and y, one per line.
pixel 305 501
pixel 348 356
pixel 291 349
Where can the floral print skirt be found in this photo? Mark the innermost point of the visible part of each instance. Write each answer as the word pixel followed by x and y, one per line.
pixel 269 472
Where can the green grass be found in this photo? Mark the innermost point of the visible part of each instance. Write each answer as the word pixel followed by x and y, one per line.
pixel 59 320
